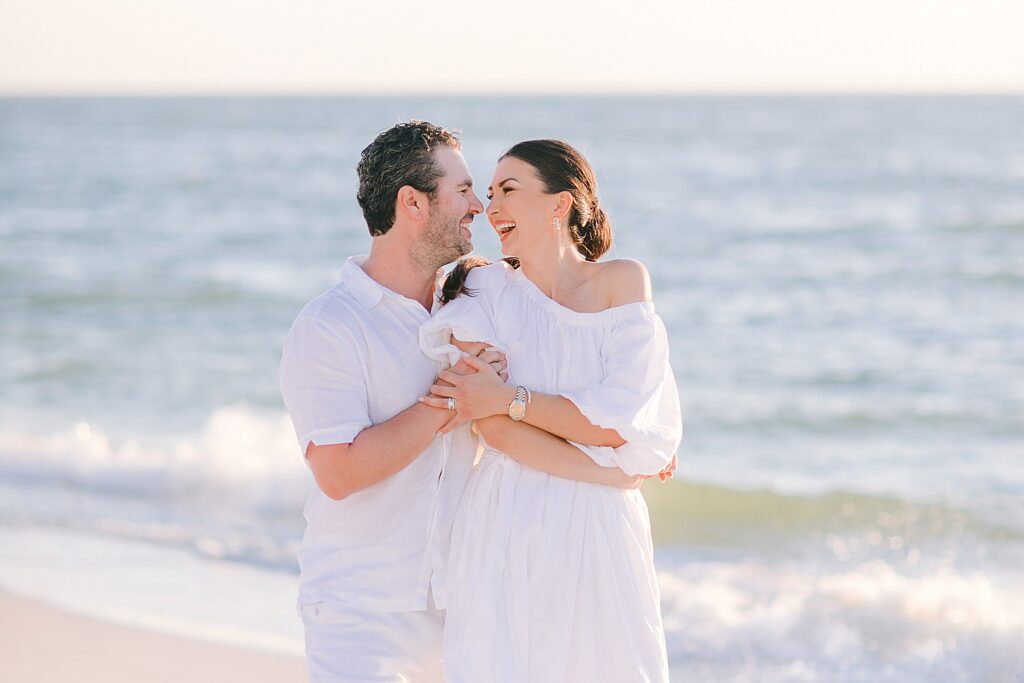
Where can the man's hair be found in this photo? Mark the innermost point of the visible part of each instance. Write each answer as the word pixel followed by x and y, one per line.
pixel 401 155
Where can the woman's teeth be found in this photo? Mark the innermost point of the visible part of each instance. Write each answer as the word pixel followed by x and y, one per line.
pixel 505 228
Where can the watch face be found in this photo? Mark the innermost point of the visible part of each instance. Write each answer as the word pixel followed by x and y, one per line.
pixel 517 410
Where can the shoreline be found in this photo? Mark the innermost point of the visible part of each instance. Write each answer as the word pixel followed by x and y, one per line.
pixel 47 644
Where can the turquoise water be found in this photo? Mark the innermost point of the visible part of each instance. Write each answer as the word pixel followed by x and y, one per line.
pixel 841 278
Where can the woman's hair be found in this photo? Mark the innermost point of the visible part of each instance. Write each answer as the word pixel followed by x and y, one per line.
pixel 561 169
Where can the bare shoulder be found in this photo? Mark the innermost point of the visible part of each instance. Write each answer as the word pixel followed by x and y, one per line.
pixel 625 281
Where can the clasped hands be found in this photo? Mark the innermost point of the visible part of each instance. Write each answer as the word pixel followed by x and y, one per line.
pixel 477 383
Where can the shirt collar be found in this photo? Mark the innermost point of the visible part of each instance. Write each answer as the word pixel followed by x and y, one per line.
pixel 367 291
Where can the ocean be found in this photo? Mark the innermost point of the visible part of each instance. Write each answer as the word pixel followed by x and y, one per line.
pixel 842 279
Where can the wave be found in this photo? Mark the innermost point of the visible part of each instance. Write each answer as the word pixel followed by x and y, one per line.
pixel 872 622
pixel 245 462
pixel 241 458
pixel 698 514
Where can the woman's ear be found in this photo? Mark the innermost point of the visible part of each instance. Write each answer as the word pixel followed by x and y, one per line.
pixel 564 206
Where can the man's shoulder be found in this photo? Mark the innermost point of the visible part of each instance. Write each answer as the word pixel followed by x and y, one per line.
pixel 335 310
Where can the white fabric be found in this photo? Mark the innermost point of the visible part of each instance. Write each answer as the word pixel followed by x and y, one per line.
pixel 556 577
pixel 352 360
pixel 350 645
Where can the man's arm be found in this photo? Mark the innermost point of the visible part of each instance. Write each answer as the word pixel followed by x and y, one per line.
pixel 539 450
pixel 376 453
pixel 385 449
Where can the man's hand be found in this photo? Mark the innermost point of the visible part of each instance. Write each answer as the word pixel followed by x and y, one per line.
pixel 488 354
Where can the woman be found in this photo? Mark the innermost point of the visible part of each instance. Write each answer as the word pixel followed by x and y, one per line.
pixel 554 575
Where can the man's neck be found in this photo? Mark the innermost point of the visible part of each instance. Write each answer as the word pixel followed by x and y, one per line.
pixel 391 265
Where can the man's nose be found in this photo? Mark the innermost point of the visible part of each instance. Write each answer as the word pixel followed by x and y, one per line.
pixel 476 206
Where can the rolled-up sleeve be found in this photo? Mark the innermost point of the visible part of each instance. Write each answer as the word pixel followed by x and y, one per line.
pixel 637 398
pixel 323 385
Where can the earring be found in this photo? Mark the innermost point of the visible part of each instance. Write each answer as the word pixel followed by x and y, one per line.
pixel 556 222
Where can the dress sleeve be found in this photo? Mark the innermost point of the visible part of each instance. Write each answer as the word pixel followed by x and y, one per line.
pixel 469 317
pixel 322 385
pixel 637 398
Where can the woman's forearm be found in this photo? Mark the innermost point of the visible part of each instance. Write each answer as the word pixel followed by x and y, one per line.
pixel 559 416
pixel 540 450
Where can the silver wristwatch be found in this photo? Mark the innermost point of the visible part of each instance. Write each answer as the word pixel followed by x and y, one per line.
pixel 517 408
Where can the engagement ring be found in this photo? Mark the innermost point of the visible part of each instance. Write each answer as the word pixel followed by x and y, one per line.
pixel 451 403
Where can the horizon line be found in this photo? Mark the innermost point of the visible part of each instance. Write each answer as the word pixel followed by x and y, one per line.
pixel 445 93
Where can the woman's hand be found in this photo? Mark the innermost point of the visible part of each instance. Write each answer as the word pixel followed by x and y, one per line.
pixel 477 395
pixel 669 470
pixel 488 354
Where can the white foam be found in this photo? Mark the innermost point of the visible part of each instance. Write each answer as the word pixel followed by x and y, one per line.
pixel 241 457
pixel 869 622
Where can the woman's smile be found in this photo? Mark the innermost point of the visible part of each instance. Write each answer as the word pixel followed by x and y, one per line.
pixel 504 228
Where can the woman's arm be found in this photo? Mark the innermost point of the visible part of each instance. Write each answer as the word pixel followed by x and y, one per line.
pixel 539 450
pixel 484 393
pixel 560 416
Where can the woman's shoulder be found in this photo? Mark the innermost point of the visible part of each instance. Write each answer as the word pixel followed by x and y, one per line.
pixel 489 275
pixel 473 275
pixel 623 281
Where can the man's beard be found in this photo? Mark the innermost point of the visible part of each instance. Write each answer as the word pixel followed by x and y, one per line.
pixel 442 243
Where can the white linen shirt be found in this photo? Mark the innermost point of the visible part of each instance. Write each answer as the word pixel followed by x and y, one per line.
pixel 351 360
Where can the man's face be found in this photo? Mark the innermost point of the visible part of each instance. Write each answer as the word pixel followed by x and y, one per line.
pixel 447 235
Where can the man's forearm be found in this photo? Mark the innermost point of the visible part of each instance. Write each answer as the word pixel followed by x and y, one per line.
pixel 541 450
pixel 376 453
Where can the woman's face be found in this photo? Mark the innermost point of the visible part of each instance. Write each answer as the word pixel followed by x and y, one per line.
pixel 519 209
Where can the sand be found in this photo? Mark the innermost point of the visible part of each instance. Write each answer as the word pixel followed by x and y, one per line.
pixel 43 644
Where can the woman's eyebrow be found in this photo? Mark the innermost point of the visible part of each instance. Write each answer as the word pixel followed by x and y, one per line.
pixel 490 188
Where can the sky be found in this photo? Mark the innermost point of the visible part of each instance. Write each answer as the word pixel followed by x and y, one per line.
pixel 509 46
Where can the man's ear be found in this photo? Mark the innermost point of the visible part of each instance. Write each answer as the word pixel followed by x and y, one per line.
pixel 411 203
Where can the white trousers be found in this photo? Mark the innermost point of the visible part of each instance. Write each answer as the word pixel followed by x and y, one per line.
pixel 348 645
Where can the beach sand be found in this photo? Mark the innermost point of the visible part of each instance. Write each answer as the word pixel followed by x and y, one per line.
pixel 44 644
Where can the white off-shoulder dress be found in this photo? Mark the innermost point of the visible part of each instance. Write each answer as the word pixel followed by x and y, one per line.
pixel 552 579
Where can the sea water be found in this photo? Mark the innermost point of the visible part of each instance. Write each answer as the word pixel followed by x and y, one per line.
pixel 842 279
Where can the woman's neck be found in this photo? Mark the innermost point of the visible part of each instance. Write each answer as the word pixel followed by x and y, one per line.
pixel 556 272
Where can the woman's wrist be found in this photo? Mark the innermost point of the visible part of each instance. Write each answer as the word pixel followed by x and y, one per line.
pixel 504 395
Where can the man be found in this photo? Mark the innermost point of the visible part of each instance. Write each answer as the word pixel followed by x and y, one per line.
pixel 371 589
